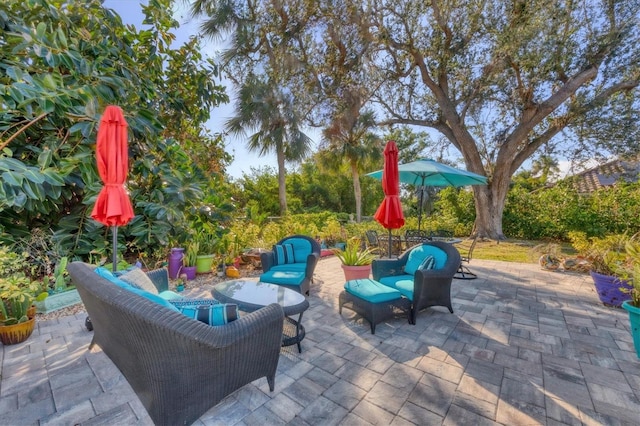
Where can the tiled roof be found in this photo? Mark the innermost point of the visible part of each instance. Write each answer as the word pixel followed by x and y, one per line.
pixel 606 175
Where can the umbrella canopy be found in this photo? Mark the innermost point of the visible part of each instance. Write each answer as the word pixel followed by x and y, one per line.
pixel 389 214
pixel 113 206
pixel 426 172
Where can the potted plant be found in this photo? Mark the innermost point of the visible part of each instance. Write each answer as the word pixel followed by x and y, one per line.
pixel 189 260
pixel 356 261
pixel 208 243
pixel 630 271
pixel 605 255
pixel 17 294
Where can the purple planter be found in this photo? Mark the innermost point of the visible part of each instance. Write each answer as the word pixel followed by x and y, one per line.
pixel 189 271
pixel 175 262
pixel 608 289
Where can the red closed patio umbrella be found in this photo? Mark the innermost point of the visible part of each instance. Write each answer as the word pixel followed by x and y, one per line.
pixel 113 206
pixel 389 214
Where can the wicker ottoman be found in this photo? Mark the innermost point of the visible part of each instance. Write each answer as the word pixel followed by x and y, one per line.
pixel 374 301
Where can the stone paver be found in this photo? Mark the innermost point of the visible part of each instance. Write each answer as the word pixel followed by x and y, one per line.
pixel 524 346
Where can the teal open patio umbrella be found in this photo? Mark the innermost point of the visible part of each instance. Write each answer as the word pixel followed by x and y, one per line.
pixel 426 172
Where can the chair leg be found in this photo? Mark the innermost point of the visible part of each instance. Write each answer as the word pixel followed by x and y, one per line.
pixel 463 273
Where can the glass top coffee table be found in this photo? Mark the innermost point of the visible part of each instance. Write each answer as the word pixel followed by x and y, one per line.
pixel 251 295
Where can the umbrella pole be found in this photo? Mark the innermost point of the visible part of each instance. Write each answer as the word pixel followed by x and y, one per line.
pixel 420 206
pixel 390 242
pixel 114 257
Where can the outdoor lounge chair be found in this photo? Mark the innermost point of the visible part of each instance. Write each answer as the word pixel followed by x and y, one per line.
pixel 291 263
pixel 464 273
pixel 422 285
pixel 372 242
pixel 178 366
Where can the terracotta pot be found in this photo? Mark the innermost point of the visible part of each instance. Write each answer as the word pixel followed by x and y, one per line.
pixel 356 272
pixel 17 333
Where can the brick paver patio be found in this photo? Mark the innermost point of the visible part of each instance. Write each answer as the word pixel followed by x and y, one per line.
pixel 524 346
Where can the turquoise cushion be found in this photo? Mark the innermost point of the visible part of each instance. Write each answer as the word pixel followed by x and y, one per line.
pixel 371 291
pixel 406 288
pixel 108 275
pixel 417 255
pixel 298 267
pixel 301 248
pixel 170 295
pixel 283 277
pixel 391 280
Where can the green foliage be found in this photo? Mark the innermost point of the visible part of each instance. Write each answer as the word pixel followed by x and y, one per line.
pixel 555 212
pixel 17 290
pixel 605 254
pixel 353 254
pixel 191 254
pixel 57 77
pixel 60 279
pixel 630 270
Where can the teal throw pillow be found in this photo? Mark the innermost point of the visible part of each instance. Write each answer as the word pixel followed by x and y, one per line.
pixel 193 303
pixel 419 253
pixel 211 314
pixel 284 254
pixel 429 262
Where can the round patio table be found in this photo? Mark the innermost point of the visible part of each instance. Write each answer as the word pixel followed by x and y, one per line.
pixel 251 295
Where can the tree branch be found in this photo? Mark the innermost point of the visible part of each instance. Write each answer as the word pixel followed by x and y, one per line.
pixel 16 134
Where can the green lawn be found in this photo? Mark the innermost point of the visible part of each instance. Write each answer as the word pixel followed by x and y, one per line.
pixel 512 250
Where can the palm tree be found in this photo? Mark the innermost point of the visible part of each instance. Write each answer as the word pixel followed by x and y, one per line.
pixel 349 139
pixel 268 109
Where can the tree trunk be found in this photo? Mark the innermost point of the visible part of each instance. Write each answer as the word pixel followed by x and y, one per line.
pixel 282 190
pixel 489 202
pixel 357 191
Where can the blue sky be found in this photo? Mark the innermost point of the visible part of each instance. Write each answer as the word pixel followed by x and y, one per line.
pixel 131 13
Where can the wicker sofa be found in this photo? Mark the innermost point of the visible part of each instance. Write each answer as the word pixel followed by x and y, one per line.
pixel 178 367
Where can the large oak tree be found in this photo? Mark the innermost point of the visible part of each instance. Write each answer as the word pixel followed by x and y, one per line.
pixel 500 79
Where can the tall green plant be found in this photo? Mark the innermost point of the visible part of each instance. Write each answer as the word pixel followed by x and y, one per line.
pixel 17 290
pixel 59 74
pixel 354 255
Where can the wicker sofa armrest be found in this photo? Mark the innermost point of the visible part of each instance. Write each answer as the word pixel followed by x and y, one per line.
pixel 312 260
pixel 267 260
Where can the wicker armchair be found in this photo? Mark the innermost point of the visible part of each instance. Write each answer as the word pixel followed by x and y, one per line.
pixel 296 274
pixel 178 367
pixel 426 287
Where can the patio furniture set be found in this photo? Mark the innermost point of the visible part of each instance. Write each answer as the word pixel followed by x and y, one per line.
pixel 420 278
pixel 166 353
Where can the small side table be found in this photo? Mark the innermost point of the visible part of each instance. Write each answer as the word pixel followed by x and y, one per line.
pixel 251 295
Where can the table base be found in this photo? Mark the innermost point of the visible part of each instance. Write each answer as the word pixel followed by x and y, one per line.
pixel 293 332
